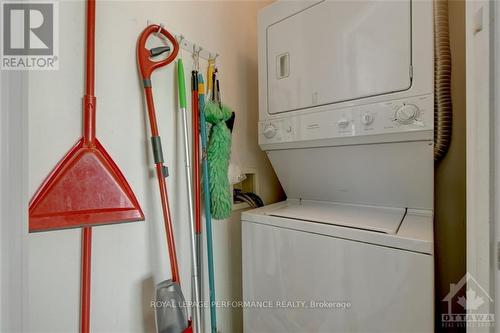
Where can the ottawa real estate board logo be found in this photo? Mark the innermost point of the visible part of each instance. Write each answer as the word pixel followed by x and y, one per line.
pixel 469 305
pixel 29 35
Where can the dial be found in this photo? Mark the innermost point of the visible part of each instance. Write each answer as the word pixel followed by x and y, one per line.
pixel 406 114
pixel 367 118
pixel 270 131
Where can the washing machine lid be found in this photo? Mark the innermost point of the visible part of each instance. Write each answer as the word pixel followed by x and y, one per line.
pixel 415 233
pixel 380 219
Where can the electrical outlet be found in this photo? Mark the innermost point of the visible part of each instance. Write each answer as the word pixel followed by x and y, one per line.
pixel 248 184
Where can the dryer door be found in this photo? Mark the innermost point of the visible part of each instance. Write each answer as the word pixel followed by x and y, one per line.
pixel 337 51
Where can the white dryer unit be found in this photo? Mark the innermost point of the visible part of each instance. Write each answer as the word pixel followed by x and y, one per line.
pixel 346 118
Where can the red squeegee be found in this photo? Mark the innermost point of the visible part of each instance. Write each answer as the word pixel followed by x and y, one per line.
pixel 86 188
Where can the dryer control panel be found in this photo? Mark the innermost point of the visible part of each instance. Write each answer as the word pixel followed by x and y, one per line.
pixel 388 117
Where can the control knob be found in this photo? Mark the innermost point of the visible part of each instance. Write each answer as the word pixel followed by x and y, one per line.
pixel 406 114
pixel 367 118
pixel 270 131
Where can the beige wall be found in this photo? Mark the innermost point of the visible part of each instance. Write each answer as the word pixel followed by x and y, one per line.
pixel 450 202
pixel 129 259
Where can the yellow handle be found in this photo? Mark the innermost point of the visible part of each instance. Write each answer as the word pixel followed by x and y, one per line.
pixel 210 72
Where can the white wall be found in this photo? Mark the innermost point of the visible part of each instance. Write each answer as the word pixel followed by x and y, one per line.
pixel 13 232
pixel 479 120
pixel 129 259
pixel 496 144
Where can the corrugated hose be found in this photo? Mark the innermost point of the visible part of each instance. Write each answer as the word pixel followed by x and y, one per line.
pixel 442 81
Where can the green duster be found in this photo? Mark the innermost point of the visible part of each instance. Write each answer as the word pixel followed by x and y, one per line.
pixel 219 153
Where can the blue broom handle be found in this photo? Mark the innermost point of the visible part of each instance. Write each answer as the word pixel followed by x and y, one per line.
pixel 208 214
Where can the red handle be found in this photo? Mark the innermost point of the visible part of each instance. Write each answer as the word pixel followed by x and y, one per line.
pixel 85 280
pixel 89 100
pixel 146 65
pixel 196 152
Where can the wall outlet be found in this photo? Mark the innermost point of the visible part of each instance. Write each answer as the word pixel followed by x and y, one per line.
pixel 250 183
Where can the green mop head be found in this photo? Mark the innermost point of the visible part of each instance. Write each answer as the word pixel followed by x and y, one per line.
pixel 219 152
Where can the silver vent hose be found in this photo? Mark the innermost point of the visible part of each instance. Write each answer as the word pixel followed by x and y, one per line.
pixel 443 114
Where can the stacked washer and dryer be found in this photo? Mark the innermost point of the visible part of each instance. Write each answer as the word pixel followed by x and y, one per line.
pixel 346 115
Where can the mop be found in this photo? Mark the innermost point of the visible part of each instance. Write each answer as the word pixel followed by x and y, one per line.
pixel 172 317
pixel 206 192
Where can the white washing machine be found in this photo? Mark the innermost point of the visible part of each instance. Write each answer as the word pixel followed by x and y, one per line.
pixel 355 268
pixel 346 112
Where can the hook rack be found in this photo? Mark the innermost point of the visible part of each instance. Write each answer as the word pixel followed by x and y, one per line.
pixel 194 48
pixel 189 46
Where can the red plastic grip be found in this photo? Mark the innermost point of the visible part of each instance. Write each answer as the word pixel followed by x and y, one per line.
pixel 146 65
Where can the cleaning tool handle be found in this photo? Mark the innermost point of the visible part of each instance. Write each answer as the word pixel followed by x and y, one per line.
pixel 161 174
pixel 89 138
pixel 156 51
pixel 90 49
pixel 194 82
pixel 89 100
pixel 146 65
pixel 85 280
pixel 201 90
pixel 213 79
pixel 210 71
pixel 196 150
pixel 182 83
pixel 208 215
